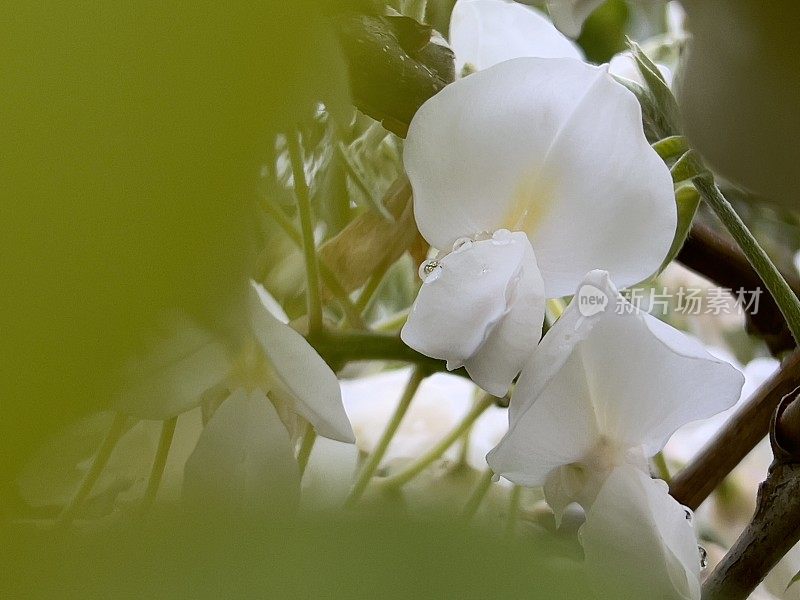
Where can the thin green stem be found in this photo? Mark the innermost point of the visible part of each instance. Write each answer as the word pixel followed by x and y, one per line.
pixel 513 511
pixel 314 299
pixel 343 347
pixel 784 297
pixel 374 460
pixel 435 453
pixel 305 449
pixel 351 313
pixel 159 462
pixel 115 432
pixel 477 496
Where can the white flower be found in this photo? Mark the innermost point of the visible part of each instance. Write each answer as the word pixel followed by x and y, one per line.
pixel 604 391
pixel 543 165
pixel 486 32
pixel 269 386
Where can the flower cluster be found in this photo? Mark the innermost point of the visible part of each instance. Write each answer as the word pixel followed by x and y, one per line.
pixel 534 180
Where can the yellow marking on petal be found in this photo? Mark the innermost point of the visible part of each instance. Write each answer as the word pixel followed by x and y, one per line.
pixel 532 202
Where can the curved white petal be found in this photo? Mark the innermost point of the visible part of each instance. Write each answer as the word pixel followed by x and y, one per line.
pixel 638 533
pixel 482 307
pixel 243 461
pixel 183 363
pixel 301 374
pixel 624 65
pixel 557 430
pixel 613 204
pixel 569 15
pixel 510 344
pixel 472 148
pixel 486 32
pixel 552 147
pixel 644 378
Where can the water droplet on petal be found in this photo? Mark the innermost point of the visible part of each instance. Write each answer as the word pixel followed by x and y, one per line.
pixel 689 515
pixel 428 269
pixel 462 243
pixel 703 557
pixel 501 237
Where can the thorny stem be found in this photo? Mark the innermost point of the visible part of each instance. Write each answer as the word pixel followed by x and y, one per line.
pixel 374 460
pixel 314 300
pixel 115 432
pixel 435 453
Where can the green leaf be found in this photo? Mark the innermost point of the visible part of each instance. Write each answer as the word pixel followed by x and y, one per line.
pixel 671 147
pixel 687 200
pixel 687 167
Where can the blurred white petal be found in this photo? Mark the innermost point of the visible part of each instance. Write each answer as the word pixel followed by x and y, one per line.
pixel 243 461
pixel 183 363
pixel 486 32
pixel 569 15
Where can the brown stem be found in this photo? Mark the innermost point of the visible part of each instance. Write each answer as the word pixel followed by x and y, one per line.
pixel 773 531
pixel 736 439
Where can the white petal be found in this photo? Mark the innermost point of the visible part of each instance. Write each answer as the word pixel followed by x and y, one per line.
pixel 637 532
pixel 510 344
pixel 569 15
pixel 486 32
pixel 303 377
pixel 184 363
pixel 460 313
pixel 644 378
pixel 552 147
pixel 613 204
pixel 473 148
pixel 624 65
pixel 243 461
pixel 558 429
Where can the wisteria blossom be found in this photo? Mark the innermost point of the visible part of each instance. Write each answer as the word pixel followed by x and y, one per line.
pixel 262 394
pixel 526 176
pixel 605 390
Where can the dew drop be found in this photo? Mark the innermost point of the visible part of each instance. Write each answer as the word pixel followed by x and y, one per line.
pixel 501 237
pixel 462 243
pixel 427 270
pixel 703 557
